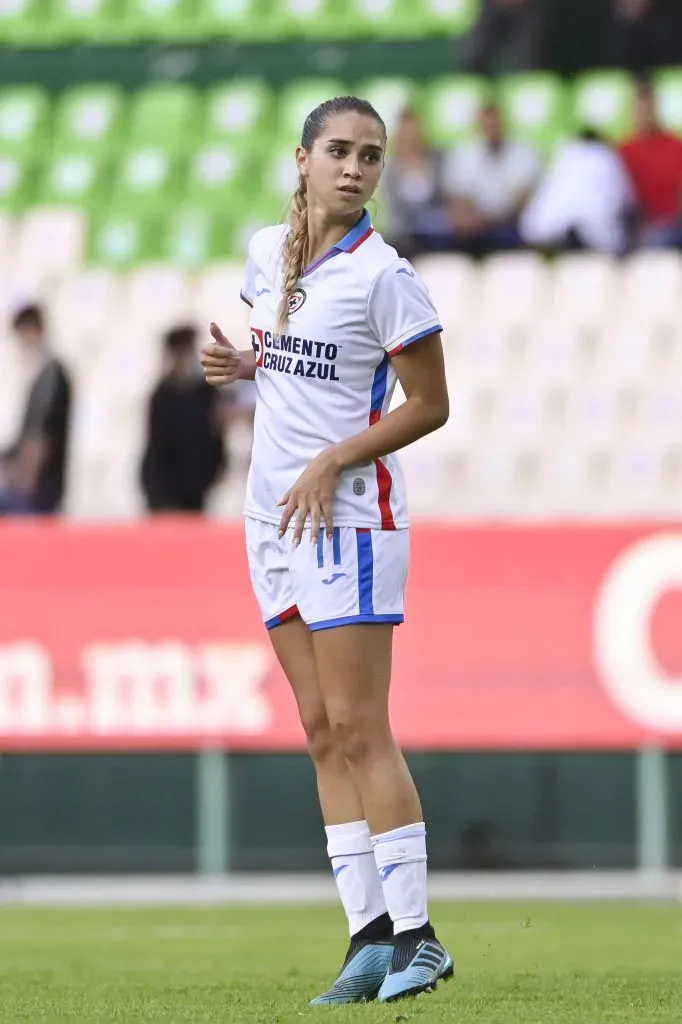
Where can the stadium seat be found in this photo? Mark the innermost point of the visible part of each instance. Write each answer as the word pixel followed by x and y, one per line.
pixel 83 307
pixel 389 97
pixel 195 235
pixel 218 298
pixel 167 20
pixel 88 118
pixel 535 108
pixel 311 19
pixel 23 23
pixel 584 289
pixel 146 179
pixel 218 176
pixel 603 100
pixel 98 21
pixel 242 20
pixel 17 178
pixel 514 289
pixel 392 19
pixel 450 18
pixel 298 99
pixel 669 95
pixel 239 112
pixel 23 119
pixel 451 106
pixel 650 289
pixel 157 296
pixel 71 179
pixel 51 243
pixel 167 116
pixel 118 240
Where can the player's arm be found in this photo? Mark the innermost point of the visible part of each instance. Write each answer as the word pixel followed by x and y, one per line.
pixel 421 371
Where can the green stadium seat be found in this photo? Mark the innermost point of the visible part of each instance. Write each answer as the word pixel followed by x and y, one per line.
pixel 24 23
pixel 238 112
pixel 17 178
pixel 23 119
pixel 146 179
pixel 603 100
pixel 168 116
pixel 89 118
pixel 218 176
pixel 298 99
pixel 446 17
pixel 280 178
pixel 167 20
pixel 310 19
pixel 195 236
pixel 389 97
pixel 535 108
pixel 392 19
pixel 71 179
pixel 243 20
pixel 264 212
pixel 120 240
pixel 668 83
pixel 451 105
pixel 98 21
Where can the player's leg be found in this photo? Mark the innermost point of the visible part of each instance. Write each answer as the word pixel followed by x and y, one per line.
pixel 354 666
pixel 349 843
pixel 351 608
pixel 348 838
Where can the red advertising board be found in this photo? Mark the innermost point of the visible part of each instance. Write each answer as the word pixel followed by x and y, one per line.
pixel 147 636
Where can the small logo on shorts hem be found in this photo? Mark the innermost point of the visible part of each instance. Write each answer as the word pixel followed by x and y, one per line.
pixel 359 487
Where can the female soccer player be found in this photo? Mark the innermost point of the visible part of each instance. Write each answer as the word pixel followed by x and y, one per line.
pixel 336 318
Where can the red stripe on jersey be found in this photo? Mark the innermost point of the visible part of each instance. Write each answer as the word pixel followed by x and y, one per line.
pixel 384 482
pixel 289 613
pixel 361 239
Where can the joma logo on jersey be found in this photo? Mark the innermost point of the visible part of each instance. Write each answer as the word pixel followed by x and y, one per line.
pixel 296 300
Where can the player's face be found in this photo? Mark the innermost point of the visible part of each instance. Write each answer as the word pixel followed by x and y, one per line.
pixel 344 166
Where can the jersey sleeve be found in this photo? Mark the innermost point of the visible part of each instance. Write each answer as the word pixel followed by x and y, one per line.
pixel 399 308
pixel 248 289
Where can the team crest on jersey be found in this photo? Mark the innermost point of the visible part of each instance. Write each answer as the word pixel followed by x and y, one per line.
pixel 296 300
pixel 359 486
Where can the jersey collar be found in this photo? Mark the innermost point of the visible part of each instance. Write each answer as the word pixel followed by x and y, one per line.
pixel 349 243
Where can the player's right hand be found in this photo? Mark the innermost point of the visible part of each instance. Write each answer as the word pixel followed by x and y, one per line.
pixel 220 360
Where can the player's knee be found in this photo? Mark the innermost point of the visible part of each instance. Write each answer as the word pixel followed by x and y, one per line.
pixel 318 732
pixel 351 734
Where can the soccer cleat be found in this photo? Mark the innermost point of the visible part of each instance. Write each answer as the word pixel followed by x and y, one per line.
pixel 417 965
pixel 363 971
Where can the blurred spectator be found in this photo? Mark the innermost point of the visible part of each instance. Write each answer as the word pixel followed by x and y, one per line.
pixel 583 202
pixel 509 36
pixel 32 471
pixel 654 160
pixel 646 33
pixel 185 453
pixel 488 182
pixel 417 219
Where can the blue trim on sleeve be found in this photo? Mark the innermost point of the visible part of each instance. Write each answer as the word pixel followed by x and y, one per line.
pixel 416 337
pixel 352 620
pixel 365 572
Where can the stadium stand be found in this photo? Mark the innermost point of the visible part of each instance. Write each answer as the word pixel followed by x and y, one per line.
pixel 125 212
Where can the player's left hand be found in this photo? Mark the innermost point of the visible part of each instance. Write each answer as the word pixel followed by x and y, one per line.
pixel 312 496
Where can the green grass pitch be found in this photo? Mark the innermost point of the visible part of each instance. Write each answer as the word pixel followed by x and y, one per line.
pixel 520 963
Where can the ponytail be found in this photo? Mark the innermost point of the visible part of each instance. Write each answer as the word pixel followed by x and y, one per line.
pixel 294 251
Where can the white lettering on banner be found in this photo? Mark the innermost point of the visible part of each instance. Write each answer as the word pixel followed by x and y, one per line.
pixel 25 687
pixel 624 654
pixel 134 688
pixel 139 687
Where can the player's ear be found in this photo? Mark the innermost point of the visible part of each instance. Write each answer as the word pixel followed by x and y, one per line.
pixel 302 161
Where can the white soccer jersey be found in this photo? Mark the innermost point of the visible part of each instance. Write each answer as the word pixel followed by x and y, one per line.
pixel 329 376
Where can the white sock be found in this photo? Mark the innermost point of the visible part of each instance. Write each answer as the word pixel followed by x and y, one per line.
pixel 401 860
pixel 350 850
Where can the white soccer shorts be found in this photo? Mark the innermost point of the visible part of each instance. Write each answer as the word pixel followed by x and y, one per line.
pixel 357 576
